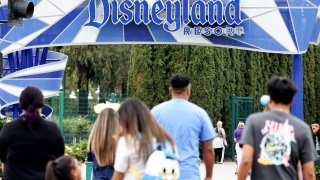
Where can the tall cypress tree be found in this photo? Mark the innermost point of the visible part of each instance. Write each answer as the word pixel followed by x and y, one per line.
pixel 139 78
pixel 201 69
pixel 216 74
pixel 309 67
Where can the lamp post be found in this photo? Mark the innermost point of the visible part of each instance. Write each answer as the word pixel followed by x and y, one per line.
pixel 98 93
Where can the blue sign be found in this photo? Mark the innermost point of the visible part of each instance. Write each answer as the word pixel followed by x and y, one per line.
pixel 260 25
pixel 170 14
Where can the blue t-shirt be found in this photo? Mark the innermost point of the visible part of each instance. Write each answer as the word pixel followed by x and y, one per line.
pixel 188 124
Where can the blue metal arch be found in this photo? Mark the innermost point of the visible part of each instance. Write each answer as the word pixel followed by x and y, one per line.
pixel 37 67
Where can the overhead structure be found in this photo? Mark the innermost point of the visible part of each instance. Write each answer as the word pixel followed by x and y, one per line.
pixel 276 26
pixel 266 25
pixel 315 39
pixel 33 67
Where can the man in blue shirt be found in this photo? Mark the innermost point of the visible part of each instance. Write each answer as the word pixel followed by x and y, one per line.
pixel 188 124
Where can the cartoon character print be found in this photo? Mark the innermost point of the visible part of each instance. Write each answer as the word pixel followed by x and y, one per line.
pixel 162 165
pixel 276 143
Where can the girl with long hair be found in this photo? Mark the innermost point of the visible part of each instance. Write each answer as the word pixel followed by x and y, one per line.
pixel 63 168
pixel 138 138
pixel 102 144
pixel 29 142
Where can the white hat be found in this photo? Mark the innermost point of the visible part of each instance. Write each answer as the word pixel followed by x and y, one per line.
pixel 100 107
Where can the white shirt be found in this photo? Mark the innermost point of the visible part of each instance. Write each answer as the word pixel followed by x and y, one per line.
pixel 127 155
pixel 218 140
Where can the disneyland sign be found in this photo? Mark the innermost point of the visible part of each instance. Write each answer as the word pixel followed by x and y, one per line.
pixel 202 17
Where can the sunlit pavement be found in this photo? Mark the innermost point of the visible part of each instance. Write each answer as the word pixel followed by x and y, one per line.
pixel 225 171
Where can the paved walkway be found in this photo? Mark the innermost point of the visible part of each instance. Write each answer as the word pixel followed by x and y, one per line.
pixel 220 171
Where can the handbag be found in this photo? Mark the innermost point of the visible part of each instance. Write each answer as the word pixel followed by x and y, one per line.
pixel 225 143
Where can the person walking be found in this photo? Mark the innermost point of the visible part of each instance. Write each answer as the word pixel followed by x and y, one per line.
pixel 63 168
pixel 29 142
pixel 275 143
pixel 316 136
pixel 139 136
pixel 188 124
pixel 219 143
pixel 102 144
pixel 237 136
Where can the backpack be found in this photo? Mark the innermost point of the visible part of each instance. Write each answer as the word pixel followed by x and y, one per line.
pixel 220 135
pixel 162 164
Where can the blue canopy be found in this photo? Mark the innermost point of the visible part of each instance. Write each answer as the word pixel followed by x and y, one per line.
pixel 280 26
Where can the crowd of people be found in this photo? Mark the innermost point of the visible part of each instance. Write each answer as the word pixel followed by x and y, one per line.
pixel 120 141
pixel 129 141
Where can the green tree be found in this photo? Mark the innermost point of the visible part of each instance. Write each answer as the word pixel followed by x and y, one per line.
pixel 90 67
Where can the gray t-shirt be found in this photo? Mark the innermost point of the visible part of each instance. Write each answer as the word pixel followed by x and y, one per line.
pixel 279 140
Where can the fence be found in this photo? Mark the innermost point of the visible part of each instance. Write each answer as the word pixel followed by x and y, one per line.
pixel 241 108
pixel 74 138
pixel 82 103
pixel 77 106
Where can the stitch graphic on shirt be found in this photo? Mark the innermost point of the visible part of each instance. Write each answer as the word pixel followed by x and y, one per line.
pixel 276 143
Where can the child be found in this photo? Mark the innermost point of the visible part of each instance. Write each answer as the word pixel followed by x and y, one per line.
pixel 102 144
pixel 140 133
pixel 63 168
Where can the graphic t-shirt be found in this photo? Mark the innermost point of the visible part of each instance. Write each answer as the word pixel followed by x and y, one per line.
pixel 280 140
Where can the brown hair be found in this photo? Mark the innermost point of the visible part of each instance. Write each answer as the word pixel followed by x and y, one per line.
pixel 138 123
pixel 102 141
pixel 30 100
pixel 60 169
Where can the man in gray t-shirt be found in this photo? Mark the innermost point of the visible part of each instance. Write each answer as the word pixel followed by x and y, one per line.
pixel 275 143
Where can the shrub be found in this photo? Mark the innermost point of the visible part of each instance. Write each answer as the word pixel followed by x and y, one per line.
pixel 79 150
pixel 317 171
pixel 3 121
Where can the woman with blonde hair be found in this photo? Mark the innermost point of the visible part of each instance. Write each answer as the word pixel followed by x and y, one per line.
pixel 102 144
pixel 139 136
pixel 219 142
pixel 237 136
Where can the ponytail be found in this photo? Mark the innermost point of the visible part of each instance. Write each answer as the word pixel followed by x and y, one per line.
pixel 31 99
pixel 50 175
pixel 60 169
pixel 31 114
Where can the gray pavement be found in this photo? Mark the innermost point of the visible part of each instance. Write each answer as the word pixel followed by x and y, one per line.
pixel 225 171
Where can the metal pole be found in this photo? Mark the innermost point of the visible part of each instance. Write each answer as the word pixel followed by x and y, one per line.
pixel 233 123
pixel 297 76
pixel 113 97
pixel 61 109
pixel 88 169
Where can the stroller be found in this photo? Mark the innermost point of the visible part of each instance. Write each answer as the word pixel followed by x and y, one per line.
pixel 236 161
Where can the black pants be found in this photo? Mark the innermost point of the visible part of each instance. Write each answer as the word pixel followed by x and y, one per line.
pixel 218 153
